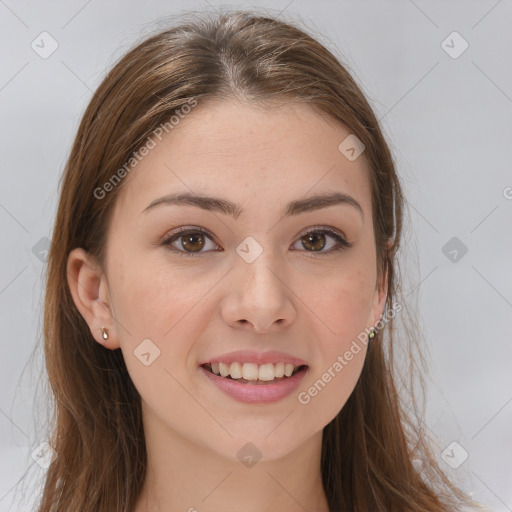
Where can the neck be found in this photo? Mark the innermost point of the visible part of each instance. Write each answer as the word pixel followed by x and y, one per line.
pixel 183 476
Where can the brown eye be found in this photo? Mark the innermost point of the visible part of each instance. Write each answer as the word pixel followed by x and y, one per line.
pixel 192 241
pixel 315 241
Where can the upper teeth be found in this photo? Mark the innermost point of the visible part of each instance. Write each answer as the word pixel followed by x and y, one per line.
pixel 253 371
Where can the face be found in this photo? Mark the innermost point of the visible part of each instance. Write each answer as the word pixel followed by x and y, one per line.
pixel 263 278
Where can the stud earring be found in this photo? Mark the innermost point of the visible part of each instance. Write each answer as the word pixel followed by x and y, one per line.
pixel 104 333
pixel 371 334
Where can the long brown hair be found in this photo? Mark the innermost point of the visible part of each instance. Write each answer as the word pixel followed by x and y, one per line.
pixel 371 449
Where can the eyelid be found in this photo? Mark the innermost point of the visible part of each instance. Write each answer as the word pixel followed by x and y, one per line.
pixel 322 228
pixel 188 229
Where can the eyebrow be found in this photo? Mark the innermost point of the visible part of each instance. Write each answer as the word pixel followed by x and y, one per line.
pixel 226 207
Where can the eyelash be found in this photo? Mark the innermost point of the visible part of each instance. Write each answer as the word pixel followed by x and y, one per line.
pixel 342 243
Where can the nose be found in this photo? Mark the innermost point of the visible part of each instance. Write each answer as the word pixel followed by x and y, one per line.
pixel 261 298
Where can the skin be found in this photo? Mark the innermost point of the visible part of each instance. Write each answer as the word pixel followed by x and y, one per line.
pixel 310 304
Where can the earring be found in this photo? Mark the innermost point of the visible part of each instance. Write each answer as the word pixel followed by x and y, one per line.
pixel 371 334
pixel 104 333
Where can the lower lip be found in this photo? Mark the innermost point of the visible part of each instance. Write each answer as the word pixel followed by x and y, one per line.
pixel 256 393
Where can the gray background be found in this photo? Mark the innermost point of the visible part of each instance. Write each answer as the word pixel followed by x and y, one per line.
pixel 448 121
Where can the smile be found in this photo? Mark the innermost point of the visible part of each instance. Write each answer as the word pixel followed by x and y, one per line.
pixel 243 382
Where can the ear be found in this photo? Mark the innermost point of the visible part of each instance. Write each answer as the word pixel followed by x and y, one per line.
pixel 89 289
pixel 380 294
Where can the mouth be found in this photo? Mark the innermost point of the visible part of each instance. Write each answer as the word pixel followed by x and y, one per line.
pixel 254 374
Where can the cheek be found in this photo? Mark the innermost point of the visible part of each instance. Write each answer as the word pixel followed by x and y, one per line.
pixel 343 305
pixel 351 303
pixel 161 315
pixel 167 307
pixel 152 297
pixel 327 391
pixel 340 354
pixel 343 302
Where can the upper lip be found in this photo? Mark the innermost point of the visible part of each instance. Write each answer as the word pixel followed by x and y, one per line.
pixel 251 356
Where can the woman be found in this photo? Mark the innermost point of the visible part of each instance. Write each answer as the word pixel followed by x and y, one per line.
pixel 222 288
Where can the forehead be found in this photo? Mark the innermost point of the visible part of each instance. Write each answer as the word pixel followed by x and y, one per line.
pixel 250 153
